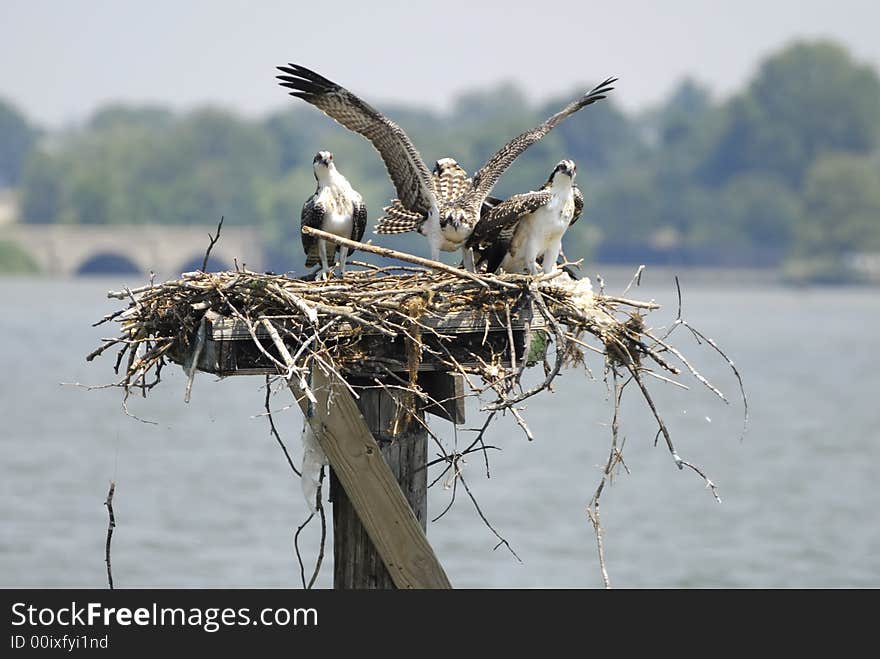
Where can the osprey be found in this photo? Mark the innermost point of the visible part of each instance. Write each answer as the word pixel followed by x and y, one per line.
pixel 445 215
pixel 450 181
pixel 527 227
pixel 335 208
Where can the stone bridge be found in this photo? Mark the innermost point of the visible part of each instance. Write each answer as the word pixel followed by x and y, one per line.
pixel 67 250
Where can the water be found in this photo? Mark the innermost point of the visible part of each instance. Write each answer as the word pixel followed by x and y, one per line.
pixel 205 499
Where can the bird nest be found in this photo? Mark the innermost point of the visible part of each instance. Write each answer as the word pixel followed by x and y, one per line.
pixel 383 321
pixel 391 324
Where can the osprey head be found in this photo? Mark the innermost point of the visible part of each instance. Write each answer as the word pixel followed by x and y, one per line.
pixel 323 159
pixel 453 218
pixel 565 167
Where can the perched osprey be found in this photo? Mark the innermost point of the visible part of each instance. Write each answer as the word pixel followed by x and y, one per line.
pixel 335 208
pixel 445 215
pixel 450 182
pixel 527 227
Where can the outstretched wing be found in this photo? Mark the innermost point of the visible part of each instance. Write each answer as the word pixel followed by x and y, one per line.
pixel 405 166
pixel 312 216
pixel 488 176
pixel 493 233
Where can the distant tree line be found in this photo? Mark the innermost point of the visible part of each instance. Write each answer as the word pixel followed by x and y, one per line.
pixel 787 168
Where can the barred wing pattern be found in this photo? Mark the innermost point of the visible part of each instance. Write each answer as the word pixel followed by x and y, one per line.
pixel 312 216
pixel 398 219
pixel 405 166
pixel 449 181
pixel 488 176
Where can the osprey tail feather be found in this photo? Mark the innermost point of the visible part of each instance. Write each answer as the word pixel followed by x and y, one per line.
pixel 398 219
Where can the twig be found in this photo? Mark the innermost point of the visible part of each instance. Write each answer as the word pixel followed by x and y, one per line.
pixel 638 304
pixel 302 569
pixel 637 280
pixel 213 240
pixel 320 505
pixel 698 335
pixel 501 540
pixel 110 526
pixel 614 457
pixel 274 430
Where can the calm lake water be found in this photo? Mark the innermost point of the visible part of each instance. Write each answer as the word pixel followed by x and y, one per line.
pixel 205 498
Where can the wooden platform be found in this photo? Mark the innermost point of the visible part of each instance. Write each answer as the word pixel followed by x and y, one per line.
pixel 229 347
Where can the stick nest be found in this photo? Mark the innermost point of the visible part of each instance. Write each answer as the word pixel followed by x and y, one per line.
pixel 336 324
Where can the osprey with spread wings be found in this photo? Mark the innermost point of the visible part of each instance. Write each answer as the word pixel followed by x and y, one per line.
pixel 444 206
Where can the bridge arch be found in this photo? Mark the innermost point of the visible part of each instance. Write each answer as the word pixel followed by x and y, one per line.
pixel 108 263
pixel 65 250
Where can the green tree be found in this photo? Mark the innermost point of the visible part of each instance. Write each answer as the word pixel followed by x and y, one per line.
pixel 842 199
pixel 13 260
pixel 42 189
pixel 17 139
pixel 809 99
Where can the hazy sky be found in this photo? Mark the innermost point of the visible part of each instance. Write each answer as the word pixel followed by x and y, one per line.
pixel 60 59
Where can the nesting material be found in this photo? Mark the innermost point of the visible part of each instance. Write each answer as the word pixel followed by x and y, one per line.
pixel 347 325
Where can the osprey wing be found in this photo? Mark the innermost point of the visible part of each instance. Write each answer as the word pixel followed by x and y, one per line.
pixel 578 204
pixel 359 222
pixel 493 233
pixel 312 216
pixel 405 166
pixel 488 176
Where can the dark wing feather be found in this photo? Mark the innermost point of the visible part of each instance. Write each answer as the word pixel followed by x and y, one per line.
pixel 359 222
pixel 405 166
pixel 488 176
pixel 501 221
pixel 489 203
pixel 312 216
pixel 578 204
pixel 492 235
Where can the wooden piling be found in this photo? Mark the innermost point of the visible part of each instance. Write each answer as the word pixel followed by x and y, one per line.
pixel 357 564
pixel 377 512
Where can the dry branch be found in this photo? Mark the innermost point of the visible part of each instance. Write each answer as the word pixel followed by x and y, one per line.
pixel 110 526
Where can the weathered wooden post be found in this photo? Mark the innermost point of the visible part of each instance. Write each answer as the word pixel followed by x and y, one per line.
pixel 376 523
pixel 357 564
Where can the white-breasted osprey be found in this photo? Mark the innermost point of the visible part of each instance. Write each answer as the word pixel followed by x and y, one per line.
pixel 527 227
pixel 335 208
pixel 446 217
